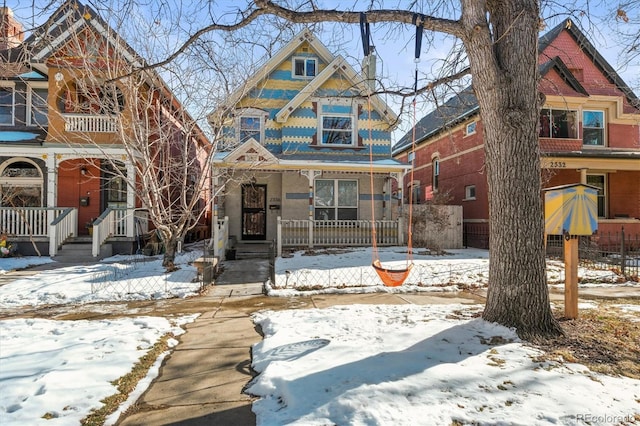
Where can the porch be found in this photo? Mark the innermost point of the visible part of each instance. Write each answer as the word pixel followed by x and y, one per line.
pixel 48 228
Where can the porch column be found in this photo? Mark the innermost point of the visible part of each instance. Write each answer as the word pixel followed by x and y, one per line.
pixel 131 200
pixel 583 176
pixel 215 236
pixel 311 176
pixel 52 187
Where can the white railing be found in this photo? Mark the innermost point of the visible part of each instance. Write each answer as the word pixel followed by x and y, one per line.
pixel 61 228
pixel 220 236
pixel 89 123
pixel 311 233
pixel 111 223
pixel 27 221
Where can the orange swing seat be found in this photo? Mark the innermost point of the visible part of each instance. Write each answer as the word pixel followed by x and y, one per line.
pixel 391 277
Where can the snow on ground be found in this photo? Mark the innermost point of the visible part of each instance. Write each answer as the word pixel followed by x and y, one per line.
pixel 115 278
pixel 348 271
pixel 12 263
pixel 420 365
pixel 373 365
pixel 61 370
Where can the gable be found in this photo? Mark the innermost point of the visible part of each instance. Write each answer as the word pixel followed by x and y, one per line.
pixel 275 85
pixel 584 61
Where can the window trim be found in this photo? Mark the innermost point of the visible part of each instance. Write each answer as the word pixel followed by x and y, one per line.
pixel 466 128
pixel 304 76
pixel 605 193
pixel 467 192
pixel 251 113
pixel 30 87
pixel 603 128
pixel 336 197
pixel 321 130
pixel 10 86
pixel 550 110
pixel 435 173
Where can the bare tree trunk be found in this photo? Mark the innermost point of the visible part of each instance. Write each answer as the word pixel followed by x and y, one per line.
pixel 505 79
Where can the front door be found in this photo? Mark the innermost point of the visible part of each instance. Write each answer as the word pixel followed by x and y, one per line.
pixel 254 212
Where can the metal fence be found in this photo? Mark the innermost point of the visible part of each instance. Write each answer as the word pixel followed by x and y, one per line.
pixel 123 279
pixel 615 251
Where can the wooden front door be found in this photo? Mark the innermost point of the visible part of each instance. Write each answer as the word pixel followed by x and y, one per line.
pixel 254 212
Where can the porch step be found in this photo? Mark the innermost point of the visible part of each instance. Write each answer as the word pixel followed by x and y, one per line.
pixel 78 250
pixel 259 250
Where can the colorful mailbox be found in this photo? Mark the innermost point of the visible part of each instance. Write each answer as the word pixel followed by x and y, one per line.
pixel 571 210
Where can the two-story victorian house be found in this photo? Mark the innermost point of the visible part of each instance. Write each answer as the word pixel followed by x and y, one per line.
pixel 65 171
pixel 305 158
pixel 589 133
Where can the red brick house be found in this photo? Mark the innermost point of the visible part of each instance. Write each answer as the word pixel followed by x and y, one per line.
pixel 589 132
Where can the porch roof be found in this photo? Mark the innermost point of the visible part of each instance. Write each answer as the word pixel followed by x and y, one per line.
pixel 352 162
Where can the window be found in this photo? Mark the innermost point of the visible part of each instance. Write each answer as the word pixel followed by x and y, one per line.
pixel 599 182
pixel 84 98
pixel 413 193
pixel 6 106
pixel 436 173
pixel 411 157
pixel 337 130
pixel 38 106
pixel 304 67
pixel 557 123
pixel 336 199
pixel 21 184
pixel 593 128
pixel 470 129
pixel 250 127
pixel 470 192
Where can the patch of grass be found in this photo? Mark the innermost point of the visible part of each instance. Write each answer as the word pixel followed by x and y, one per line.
pixel 127 383
pixel 600 339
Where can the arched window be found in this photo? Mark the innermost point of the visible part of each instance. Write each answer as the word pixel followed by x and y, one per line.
pixel 21 184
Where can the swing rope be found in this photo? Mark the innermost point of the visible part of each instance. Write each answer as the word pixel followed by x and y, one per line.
pixel 391 277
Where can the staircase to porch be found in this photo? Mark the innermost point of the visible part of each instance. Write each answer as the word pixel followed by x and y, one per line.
pixel 253 250
pixel 78 250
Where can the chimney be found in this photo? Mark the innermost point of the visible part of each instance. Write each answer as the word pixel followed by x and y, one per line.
pixel 11 31
pixel 369 69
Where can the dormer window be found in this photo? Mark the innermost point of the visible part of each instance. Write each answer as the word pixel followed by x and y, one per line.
pixel 304 67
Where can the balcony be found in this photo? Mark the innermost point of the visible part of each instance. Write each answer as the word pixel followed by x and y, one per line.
pixel 89 123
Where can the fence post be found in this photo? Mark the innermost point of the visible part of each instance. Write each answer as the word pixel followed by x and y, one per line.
pixel 279 238
pixel 623 255
pixel 311 225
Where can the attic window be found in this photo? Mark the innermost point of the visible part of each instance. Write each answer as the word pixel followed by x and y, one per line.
pixel 470 129
pixel 304 67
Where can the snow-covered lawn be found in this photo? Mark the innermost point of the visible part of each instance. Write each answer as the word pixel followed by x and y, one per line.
pixel 374 364
pixel 421 365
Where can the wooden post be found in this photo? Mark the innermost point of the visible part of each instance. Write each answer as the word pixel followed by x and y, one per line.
pixel 571 277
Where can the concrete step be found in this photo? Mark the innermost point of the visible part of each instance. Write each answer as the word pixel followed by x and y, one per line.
pixel 75 251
